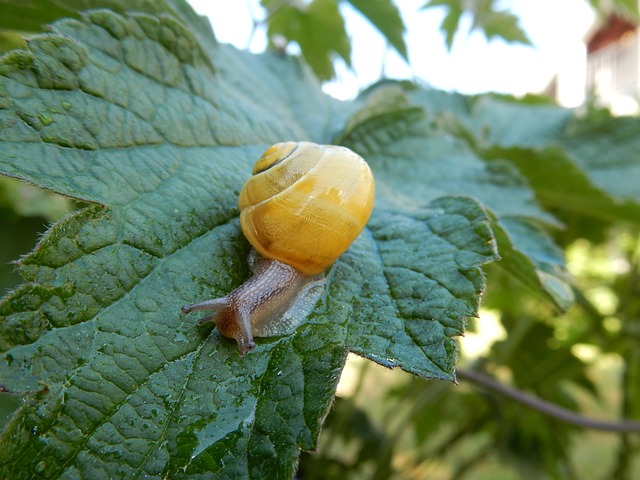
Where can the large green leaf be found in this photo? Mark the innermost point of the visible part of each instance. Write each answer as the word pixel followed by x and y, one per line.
pixel 159 130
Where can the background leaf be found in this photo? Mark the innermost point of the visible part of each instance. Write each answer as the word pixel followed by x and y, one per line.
pixel 485 17
pixel 317 28
pixel 626 8
pixel 451 21
pixel 34 15
pixel 385 16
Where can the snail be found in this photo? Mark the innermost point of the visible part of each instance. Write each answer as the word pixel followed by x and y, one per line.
pixel 300 210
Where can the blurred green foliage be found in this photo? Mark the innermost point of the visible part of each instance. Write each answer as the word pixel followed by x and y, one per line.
pixel 25 212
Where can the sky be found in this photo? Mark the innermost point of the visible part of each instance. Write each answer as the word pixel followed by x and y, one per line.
pixel 474 65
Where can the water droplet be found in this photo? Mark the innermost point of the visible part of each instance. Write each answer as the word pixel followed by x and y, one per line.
pixel 41 466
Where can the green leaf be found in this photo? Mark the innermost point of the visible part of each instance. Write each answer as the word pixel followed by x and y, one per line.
pixel 450 22
pixel 384 15
pixel 499 24
pixel 607 149
pixel 585 166
pixel 318 29
pixel 508 123
pixel 578 166
pixel 530 256
pixel 561 184
pixel 34 15
pixel 388 318
pixel 159 131
pixel 449 140
pixel 626 8
pixel 10 40
pixel 27 16
pixel 485 17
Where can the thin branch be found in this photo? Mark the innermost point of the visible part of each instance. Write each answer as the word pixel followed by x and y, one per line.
pixel 545 407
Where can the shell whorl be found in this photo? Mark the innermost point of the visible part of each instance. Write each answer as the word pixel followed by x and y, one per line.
pixel 306 203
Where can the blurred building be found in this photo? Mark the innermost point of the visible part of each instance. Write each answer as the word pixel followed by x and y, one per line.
pixel 613 64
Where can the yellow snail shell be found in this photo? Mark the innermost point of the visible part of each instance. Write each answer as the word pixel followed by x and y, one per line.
pixel 301 209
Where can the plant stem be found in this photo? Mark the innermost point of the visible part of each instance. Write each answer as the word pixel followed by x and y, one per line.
pixel 546 407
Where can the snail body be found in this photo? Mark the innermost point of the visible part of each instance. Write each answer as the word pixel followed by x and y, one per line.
pixel 301 209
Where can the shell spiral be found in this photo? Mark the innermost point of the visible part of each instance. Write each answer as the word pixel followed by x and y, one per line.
pixel 305 204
